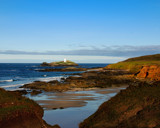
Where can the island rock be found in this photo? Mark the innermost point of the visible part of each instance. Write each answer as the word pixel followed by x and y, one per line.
pixel 60 63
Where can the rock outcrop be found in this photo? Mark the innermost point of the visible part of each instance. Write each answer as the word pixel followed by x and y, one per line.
pixel 59 63
pixel 135 107
pixel 17 111
pixel 90 79
pixel 68 69
pixel 151 72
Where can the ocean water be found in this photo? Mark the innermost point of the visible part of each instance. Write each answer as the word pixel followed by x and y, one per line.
pixel 14 75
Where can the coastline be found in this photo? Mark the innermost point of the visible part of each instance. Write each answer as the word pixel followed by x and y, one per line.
pixel 87 91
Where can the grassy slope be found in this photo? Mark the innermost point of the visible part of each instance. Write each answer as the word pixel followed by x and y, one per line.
pixel 68 62
pixel 13 102
pixel 135 64
pixel 17 111
pixel 60 63
pixel 135 107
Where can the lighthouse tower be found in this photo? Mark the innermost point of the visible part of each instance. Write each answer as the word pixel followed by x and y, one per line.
pixel 65 60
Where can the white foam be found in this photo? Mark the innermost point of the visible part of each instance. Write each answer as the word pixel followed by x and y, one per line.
pixel 51 78
pixel 10 86
pixel 6 80
pixel 37 69
pixel 45 75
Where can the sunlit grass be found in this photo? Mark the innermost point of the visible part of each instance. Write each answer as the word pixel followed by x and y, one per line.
pixel 133 66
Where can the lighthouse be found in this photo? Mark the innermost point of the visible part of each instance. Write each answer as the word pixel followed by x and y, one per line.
pixel 65 60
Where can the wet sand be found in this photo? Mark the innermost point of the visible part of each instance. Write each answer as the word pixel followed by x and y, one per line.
pixel 73 98
pixel 68 109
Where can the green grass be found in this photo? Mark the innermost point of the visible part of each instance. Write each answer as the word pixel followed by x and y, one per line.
pixel 155 57
pixel 62 62
pixel 59 63
pixel 135 64
pixel 11 102
pixel 68 62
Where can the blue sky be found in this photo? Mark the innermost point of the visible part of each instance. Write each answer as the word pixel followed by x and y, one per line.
pixel 99 31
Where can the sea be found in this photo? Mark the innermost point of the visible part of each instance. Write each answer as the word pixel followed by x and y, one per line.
pixel 15 75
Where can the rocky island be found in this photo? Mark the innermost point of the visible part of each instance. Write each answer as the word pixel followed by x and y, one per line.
pixel 60 63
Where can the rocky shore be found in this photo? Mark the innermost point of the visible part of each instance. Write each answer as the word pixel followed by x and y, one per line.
pixel 89 79
pixel 68 69
pixel 138 106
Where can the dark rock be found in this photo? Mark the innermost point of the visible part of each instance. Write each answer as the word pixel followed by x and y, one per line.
pixel 54 108
pixel 20 92
pixel 101 79
pixel 54 82
pixel 62 69
pixel 36 92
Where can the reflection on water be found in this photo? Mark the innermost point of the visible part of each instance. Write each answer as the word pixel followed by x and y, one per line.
pixel 72 116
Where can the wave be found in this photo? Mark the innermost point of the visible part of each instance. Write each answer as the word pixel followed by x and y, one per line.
pixel 32 66
pixel 47 79
pixel 37 69
pixel 44 75
pixel 10 86
pixel 10 80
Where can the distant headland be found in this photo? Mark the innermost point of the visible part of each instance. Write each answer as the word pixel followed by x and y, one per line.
pixel 60 63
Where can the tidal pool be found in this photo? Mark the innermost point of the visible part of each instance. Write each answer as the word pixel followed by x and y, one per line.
pixel 68 109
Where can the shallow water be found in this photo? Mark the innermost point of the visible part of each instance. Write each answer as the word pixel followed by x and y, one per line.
pixel 72 116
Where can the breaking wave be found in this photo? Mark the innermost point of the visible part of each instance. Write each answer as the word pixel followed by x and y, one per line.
pixel 10 80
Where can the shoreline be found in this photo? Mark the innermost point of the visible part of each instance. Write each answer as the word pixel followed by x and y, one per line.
pixel 72 98
pixel 71 116
pixel 88 80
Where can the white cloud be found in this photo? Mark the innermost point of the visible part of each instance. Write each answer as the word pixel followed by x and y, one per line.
pixel 50 58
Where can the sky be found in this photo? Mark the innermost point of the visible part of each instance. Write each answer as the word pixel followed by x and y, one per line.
pixel 84 31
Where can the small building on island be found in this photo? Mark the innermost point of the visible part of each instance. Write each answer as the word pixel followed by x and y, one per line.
pixel 65 60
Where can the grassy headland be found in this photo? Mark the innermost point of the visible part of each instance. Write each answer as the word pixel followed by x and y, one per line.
pixel 135 64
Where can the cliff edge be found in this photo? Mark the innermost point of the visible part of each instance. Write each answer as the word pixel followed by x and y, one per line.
pixel 150 72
